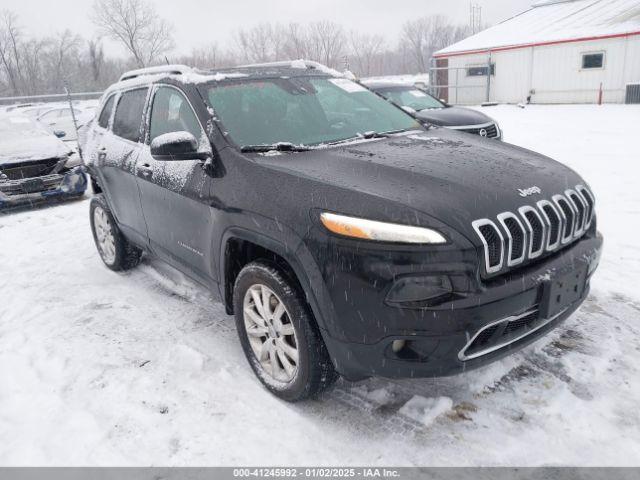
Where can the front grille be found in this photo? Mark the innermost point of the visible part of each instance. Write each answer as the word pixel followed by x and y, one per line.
pixel 532 230
pixel 21 187
pixel 30 170
pixel 491 130
pixel 502 333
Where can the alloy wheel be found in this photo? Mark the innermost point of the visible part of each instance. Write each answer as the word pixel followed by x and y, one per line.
pixel 104 235
pixel 271 333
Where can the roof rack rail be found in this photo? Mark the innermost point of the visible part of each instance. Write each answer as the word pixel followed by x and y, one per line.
pixel 309 64
pixel 168 69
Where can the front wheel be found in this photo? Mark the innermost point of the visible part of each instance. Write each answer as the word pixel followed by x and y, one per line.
pixel 279 336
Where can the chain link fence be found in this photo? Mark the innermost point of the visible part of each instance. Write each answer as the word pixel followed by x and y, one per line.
pixel 466 85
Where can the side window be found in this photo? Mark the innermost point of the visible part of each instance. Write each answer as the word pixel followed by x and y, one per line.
pixel 592 61
pixel 481 70
pixel 105 115
pixel 128 119
pixel 171 112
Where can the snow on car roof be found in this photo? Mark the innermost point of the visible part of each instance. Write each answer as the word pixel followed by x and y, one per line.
pixel 550 21
pixel 181 73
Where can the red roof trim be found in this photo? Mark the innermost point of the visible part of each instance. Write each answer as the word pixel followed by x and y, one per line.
pixel 538 44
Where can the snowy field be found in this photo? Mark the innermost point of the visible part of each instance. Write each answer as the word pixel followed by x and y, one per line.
pixel 99 368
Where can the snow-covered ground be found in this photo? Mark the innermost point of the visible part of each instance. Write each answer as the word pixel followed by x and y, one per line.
pixel 99 368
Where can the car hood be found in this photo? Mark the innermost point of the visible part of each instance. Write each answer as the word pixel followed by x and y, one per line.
pixel 31 147
pixel 453 116
pixel 453 177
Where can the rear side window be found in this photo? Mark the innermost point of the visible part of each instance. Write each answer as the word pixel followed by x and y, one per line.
pixel 105 115
pixel 128 119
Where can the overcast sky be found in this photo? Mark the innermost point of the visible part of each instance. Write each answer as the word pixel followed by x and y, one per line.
pixel 199 22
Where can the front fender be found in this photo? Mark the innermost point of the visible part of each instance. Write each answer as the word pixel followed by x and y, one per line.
pixel 291 248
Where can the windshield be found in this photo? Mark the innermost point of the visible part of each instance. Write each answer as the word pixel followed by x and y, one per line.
pixel 302 111
pixel 411 97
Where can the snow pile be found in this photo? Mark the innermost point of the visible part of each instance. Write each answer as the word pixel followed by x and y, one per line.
pixel 426 410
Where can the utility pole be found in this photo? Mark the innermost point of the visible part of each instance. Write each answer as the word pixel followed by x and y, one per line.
pixel 475 17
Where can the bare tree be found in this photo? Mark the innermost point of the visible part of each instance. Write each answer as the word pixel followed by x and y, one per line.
pixel 366 50
pixel 96 58
pixel 40 65
pixel 424 36
pixel 261 43
pixel 297 42
pixel 136 25
pixel 65 49
pixel 208 57
pixel 326 42
pixel 10 37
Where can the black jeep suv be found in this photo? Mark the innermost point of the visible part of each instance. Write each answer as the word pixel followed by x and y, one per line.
pixel 344 237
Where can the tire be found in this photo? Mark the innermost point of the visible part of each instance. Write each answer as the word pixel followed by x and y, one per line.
pixel 115 250
pixel 295 328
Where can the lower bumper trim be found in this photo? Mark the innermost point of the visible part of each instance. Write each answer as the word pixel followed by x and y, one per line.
pixel 464 356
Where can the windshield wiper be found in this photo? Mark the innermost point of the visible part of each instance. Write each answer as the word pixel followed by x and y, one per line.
pixel 370 135
pixel 279 147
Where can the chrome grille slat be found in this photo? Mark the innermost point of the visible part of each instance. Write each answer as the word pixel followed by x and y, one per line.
pixel 532 230
pixel 490 266
pixel 534 235
pixel 521 252
pixel 568 215
pixel 554 222
pixel 580 208
pixel 590 202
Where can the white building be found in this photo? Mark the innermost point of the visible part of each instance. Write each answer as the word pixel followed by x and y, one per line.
pixel 559 51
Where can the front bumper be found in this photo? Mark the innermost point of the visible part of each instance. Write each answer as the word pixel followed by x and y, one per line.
pixel 30 191
pixel 441 337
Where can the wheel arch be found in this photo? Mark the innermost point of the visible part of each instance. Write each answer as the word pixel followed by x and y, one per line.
pixel 240 247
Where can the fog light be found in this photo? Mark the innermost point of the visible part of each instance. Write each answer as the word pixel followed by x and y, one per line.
pixel 398 345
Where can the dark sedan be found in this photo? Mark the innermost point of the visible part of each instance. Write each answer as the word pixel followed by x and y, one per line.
pixel 429 109
pixel 35 166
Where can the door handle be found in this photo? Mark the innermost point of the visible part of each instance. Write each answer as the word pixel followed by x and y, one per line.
pixel 145 170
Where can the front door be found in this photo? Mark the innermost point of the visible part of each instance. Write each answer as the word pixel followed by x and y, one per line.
pixel 175 194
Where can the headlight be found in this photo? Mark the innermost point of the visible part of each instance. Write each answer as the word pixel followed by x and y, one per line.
pixel 379 231
pixel 73 161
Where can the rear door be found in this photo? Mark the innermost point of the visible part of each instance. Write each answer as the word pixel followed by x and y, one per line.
pixel 175 193
pixel 117 155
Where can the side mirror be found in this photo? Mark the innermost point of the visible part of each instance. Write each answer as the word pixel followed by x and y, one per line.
pixel 60 133
pixel 175 146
